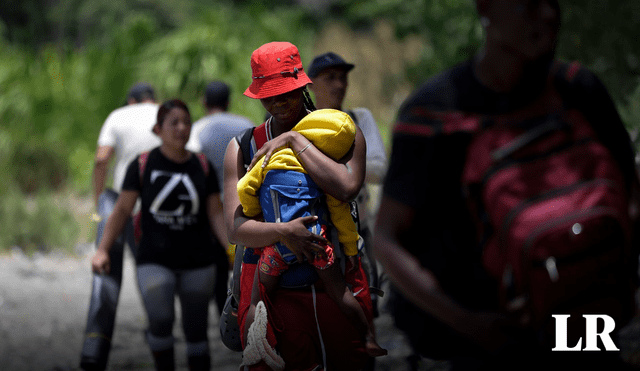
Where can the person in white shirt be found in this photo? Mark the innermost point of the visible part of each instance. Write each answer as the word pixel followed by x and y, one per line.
pixel 126 132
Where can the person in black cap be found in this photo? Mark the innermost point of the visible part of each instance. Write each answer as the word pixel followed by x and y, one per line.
pixel 329 73
pixel 140 92
pixel 125 133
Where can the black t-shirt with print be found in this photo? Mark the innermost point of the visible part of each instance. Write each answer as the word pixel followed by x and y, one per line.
pixel 425 173
pixel 176 232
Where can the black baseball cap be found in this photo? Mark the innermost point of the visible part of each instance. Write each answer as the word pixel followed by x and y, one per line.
pixel 327 60
pixel 141 91
pixel 216 94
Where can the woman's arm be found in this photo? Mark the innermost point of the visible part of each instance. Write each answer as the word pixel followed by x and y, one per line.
pixel 216 218
pixel 100 263
pixel 342 179
pixel 252 233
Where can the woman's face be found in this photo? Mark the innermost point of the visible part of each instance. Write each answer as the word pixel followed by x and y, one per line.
pixel 285 108
pixel 528 28
pixel 175 128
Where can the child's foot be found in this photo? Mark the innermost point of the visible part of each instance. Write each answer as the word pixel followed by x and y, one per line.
pixel 373 349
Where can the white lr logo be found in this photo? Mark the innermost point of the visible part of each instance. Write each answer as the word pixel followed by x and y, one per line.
pixel 592 333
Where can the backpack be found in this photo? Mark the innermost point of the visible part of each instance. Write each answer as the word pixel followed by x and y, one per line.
pixel 248 140
pixel 142 164
pixel 551 206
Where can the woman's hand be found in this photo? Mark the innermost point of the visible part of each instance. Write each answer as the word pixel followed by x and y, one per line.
pixel 283 140
pixel 101 263
pixel 302 242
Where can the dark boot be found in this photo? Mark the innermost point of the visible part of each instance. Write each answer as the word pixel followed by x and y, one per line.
pixel 199 363
pixel 164 360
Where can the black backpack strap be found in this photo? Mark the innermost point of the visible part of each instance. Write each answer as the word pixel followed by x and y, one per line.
pixel 202 158
pixel 244 141
pixel 353 116
pixel 142 165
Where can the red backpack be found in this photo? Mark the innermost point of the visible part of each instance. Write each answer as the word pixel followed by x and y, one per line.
pixel 552 209
pixel 142 164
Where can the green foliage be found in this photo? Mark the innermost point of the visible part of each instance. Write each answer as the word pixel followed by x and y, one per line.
pixel 65 65
pixel 37 166
pixel 603 36
pixel 599 34
pixel 449 28
pixel 36 223
pixel 55 98
pixel 182 62
pixel 34 23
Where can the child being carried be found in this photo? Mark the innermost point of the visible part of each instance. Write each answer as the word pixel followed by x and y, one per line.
pixel 282 191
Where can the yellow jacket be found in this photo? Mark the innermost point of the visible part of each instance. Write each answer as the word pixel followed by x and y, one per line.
pixel 332 132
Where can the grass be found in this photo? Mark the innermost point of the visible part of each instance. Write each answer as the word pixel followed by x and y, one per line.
pixel 44 222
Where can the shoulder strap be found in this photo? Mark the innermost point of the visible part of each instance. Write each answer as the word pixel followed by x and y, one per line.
pixel 244 141
pixel 567 71
pixel 250 140
pixel 564 75
pixel 142 164
pixel 353 115
pixel 204 162
pixel 261 134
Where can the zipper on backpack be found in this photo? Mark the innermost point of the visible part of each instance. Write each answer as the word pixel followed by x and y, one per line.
pixel 513 213
pixel 550 263
pixel 552 269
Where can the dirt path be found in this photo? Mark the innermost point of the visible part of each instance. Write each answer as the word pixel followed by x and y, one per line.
pixel 43 303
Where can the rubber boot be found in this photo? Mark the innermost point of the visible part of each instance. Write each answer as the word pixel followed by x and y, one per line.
pixel 164 360
pixel 199 363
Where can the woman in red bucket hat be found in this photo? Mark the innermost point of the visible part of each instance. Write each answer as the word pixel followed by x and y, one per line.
pixel 306 330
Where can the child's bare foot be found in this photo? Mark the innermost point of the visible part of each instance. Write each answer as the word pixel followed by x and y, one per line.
pixel 373 349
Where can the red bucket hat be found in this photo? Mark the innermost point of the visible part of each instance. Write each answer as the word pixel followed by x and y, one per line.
pixel 276 69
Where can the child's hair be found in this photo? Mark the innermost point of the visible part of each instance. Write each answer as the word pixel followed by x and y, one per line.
pixel 168 106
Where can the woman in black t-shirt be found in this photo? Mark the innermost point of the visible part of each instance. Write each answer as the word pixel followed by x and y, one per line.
pixel 181 209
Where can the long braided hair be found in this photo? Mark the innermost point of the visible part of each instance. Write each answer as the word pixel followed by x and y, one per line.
pixel 308 103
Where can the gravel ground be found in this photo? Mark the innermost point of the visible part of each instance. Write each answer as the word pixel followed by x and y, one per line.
pixel 43 304
pixel 43 311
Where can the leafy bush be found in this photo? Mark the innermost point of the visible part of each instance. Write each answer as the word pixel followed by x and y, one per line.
pixel 55 98
pixel 36 223
pixel 61 76
pixel 182 62
pixel 37 167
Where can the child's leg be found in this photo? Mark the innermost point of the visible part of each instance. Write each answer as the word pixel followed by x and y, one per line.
pixel 337 289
